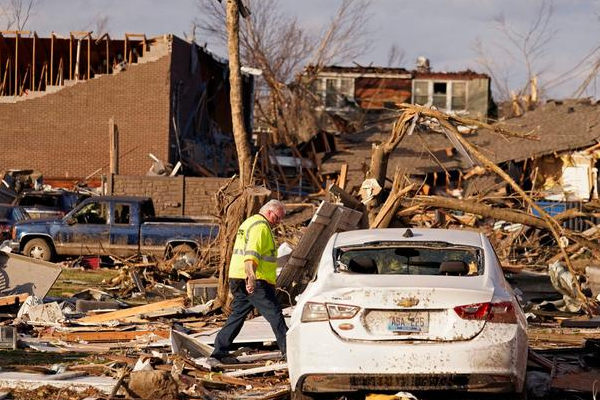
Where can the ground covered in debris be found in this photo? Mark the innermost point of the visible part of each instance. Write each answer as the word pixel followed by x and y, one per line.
pixel 143 327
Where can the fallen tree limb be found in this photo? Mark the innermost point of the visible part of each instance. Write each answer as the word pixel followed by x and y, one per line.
pixel 484 210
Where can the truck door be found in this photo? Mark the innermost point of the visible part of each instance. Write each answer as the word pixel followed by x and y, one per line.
pixel 88 233
pixel 124 230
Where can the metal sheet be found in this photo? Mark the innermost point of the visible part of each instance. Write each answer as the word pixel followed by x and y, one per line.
pixel 20 274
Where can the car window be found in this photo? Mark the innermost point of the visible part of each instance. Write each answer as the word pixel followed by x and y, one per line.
pixel 122 216
pixel 398 260
pixel 19 214
pixel 92 213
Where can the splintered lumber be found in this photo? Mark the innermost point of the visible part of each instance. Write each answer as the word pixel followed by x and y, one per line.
pixel 387 211
pixel 13 300
pixel 132 312
pixel 347 199
pixel 302 264
pixel 106 337
pixel 189 346
pixel 342 178
pixel 259 370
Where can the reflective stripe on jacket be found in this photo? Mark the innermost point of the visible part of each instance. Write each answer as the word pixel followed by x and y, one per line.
pixel 254 241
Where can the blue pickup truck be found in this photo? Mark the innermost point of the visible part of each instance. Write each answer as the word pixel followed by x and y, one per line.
pixel 111 225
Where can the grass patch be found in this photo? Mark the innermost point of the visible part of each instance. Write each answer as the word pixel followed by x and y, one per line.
pixel 73 280
pixel 11 359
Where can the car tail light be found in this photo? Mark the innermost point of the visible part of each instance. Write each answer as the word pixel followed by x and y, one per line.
pixel 5 228
pixel 501 312
pixel 313 312
pixel 340 311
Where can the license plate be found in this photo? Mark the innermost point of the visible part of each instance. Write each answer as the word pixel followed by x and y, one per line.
pixel 409 322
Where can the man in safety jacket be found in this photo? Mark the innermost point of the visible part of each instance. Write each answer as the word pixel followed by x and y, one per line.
pixel 252 278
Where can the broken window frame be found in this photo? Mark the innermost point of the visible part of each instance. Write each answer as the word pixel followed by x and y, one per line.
pixel 335 92
pixel 87 216
pixel 451 98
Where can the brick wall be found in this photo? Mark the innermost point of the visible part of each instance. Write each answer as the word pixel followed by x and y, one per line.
pixel 172 196
pixel 65 134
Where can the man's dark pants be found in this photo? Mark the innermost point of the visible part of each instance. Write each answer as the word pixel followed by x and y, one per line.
pixel 264 300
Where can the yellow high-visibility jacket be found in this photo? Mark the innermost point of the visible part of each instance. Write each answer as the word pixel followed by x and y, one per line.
pixel 254 241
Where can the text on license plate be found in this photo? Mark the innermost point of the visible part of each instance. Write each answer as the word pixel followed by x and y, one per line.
pixel 408 322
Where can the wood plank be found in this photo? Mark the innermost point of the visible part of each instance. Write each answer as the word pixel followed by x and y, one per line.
pixel 310 247
pixel 132 312
pixel 14 299
pixel 343 177
pixel 106 336
pixel 259 370
pixel 345 197
pixel 579 381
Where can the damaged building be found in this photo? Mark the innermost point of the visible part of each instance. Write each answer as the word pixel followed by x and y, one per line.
pixel 167 97
pixel 558 158
pixel 346 90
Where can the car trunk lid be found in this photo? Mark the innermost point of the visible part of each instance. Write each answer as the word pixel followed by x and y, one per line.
pixel 408 313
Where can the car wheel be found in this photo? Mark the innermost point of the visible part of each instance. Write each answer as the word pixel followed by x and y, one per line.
pixel 38 249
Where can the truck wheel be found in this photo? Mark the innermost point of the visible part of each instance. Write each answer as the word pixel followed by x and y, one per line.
pixel 38 249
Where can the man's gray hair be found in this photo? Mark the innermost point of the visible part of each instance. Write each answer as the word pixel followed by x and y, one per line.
pixel 272 205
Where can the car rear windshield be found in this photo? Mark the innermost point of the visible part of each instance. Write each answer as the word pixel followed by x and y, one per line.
pixel 418 259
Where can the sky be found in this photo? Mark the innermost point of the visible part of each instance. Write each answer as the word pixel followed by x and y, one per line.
pixel 444 31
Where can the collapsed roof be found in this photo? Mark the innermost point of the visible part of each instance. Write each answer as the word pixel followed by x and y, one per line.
pixel 556 126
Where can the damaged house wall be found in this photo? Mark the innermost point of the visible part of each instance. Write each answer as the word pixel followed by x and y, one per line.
pixel 64 134
pixel 171 101
pixel 348 90
pixel 201 129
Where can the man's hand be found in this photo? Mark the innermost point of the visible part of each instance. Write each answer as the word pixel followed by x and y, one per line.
pixel 250 284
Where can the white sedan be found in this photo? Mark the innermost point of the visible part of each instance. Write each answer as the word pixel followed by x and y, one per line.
pixel 410 310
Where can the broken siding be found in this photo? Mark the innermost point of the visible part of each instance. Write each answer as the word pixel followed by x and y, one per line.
pixel 374 93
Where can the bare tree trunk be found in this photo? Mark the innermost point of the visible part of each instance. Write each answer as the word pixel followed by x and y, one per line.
pixel 235 82
pixel 234 219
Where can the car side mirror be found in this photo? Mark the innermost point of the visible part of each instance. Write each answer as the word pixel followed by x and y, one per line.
pixel 71 221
